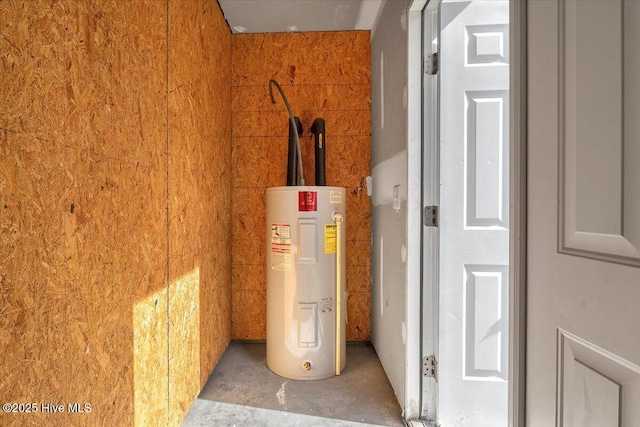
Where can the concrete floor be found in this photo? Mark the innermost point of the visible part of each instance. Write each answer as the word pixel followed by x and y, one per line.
pixel 243 389
pixel 206 413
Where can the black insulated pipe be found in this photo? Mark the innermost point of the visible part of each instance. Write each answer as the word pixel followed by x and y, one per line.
pixel 292 161
pixel 317 128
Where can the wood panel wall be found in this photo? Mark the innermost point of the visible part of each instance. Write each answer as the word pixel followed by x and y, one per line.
pixel 115 169
pixel 324 74
pixel 199 197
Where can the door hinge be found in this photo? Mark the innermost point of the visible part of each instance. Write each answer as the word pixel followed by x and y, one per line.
pixel 430 216
pixel 431 65
pixel 430 367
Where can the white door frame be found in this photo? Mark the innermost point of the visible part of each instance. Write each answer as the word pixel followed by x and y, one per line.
pixel 518 212
pixel 413 364
pixel 419 401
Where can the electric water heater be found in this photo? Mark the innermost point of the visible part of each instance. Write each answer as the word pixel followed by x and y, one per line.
pixel 306 281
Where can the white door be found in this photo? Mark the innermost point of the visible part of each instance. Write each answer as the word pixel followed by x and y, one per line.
pixel 583 285
pixel 474 214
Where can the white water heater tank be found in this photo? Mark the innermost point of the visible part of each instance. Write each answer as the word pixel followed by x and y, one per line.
pixel 301 281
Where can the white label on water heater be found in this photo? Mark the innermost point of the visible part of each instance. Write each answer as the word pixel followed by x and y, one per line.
pixel 307 324
pixel 281 247
pixel 335 197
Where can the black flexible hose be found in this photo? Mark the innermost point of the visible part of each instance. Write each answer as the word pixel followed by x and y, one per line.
pixel 293 124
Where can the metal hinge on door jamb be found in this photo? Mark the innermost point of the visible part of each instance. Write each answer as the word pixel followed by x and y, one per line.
pixel 430 216
pixel 430 367
pixel 431 64
pixel 419 423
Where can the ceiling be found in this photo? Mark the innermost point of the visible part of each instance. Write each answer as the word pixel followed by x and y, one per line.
pixel 269 16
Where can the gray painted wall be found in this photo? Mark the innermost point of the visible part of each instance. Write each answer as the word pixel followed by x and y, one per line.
pixel 389 169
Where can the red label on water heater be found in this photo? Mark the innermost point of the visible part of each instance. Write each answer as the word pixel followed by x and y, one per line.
pixel 307 201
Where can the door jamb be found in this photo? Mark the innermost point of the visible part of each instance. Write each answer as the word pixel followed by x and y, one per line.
pixel 413 308
pixel 518 212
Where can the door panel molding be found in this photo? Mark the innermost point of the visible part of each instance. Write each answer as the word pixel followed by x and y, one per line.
pixel 488 45
pixel 487 121
pixel 594 386
pixel 486 323
pixel 599 151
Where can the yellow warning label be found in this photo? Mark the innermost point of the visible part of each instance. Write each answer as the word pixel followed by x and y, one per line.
pixel 329 238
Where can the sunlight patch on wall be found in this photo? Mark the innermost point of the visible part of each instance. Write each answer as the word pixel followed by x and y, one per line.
pixel 184 344
pixel 150 368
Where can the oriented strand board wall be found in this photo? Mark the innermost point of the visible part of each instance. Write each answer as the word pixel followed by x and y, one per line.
pixel 199 197
pixel 87 128
pixel 323 75
pixel 83 225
